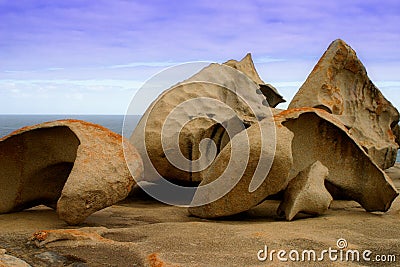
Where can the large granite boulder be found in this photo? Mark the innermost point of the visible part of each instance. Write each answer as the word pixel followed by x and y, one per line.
pixel 74 166
pixel 320 136
pixel 246 66
pixel 235 168
pixel 340 85
pixel 187 125
pixel 306 193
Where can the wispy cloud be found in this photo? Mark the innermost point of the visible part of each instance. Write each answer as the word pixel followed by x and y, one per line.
pixel 66 96
pixel 103 32
pixel 131 40
pixel 144 64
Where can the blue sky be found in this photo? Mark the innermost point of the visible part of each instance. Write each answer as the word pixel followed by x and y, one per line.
pixel 90 57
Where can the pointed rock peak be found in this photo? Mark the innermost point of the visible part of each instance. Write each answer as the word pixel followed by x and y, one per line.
pixel 246 65
pixel 247 59
pixel 339 42
pixel 341 56
pixel 340 85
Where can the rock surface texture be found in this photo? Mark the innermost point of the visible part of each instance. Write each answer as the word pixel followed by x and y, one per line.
pixel 340 85
pixel 74 166
pixel 396 132
pixel 394 172
pixel 11 261
pixel 214 102
pixel 246 65
pixel 306 193
pixel 320 136
pixel 227 166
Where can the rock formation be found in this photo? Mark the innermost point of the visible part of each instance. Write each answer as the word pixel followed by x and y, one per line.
pixel 396 132
pixel 340 85
pixel 394 172
pixel 246 66
pixel 74 166
pixel 320 136
pixel 306 193
pixel 11 261
pixel 312 132
pixel 219 128
pixel 215 104
pixel 241 198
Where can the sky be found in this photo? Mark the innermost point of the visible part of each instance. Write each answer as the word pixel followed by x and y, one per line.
pixel 90 57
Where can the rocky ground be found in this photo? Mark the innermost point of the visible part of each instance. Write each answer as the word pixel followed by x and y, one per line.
pixel 142 232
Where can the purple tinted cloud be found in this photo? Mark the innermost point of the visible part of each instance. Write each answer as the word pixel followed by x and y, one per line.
pixel 76 33
pixel 122 39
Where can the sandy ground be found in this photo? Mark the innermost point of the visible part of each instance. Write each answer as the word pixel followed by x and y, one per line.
pixel 142 232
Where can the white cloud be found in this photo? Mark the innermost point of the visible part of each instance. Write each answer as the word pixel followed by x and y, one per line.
pixel 66 96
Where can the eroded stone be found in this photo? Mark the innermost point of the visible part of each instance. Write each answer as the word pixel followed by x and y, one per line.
pixel 246 66
pixel 340 85
pixel 243 169
pixel 75 166
pixel 215 104
pixel 320 136
pixel 306 193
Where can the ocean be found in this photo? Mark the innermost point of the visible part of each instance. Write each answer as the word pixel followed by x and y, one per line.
pixel 10 123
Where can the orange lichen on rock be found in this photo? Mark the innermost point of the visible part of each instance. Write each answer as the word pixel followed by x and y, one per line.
pixel 341 85
pixel 78 166
pixel 153 260
pixel 44 237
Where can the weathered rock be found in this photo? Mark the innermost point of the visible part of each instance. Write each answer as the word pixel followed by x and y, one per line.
pixel 394 172
pixel 306 193
pixel 214 102
pixel 74 165
pixel 246 66
pixel 90 234
pixel 396 132
pixel 11 261
pixel 340 85
pixel 221 175
pixel 320 136
pixel 52 258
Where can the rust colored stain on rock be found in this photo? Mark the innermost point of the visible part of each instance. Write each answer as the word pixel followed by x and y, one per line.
pixel 76 166
pixel 341 84
pixel 154 260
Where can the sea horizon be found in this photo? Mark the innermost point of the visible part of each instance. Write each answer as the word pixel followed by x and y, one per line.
pixel 114 122
pixel 12 122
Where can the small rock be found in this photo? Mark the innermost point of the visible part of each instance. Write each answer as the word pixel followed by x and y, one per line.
pixel 394 172
pixel 11 261
pixel 306 193
pixel 52 257
pixel 41 238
